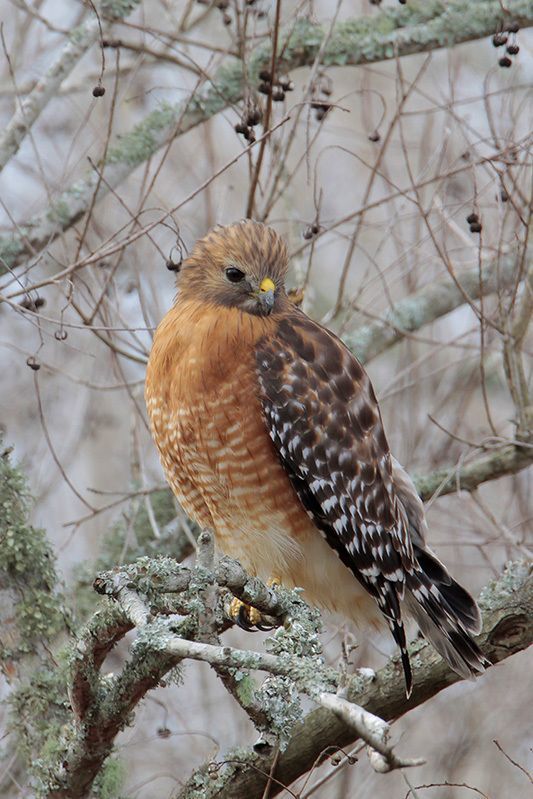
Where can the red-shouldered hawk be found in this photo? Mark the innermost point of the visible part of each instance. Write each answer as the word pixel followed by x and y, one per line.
pixel 271 436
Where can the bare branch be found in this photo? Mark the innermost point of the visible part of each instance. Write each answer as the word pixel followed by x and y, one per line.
pixel 47 87
pixel 468 476
pixel 430 303
pixel 390 34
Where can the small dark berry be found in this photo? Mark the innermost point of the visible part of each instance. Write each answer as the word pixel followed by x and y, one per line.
pixel 249 135
pixel 172 266
pixel 472 218
pixel 499 39
pixel 60 335
pixel 374 136
pixel 315 229
pixel 504 196
pixel 321 112
pixel 240 127
pixel 513 49
pixel 33 305
pixel 310 231
pixel 33 363
pixel 254 116
pixel 278 94
pixel 514 27
pixel 265 75
pixel 264 88
pixel 505 61
pixel 286 84
pixel 98 91
pixel 164 732
pixel 475 227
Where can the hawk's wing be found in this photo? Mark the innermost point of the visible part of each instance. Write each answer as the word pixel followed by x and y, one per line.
pixel 324 420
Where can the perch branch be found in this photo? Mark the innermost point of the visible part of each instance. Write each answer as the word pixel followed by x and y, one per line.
pixel 507 608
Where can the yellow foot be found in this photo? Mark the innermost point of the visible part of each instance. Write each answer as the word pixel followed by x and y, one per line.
pixel 248 617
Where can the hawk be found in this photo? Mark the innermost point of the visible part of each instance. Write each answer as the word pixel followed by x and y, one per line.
pixel 271 436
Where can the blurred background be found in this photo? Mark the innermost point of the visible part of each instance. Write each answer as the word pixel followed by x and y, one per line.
pixel 370 174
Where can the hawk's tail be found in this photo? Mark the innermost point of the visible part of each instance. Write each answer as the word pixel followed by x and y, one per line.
pixel 446 614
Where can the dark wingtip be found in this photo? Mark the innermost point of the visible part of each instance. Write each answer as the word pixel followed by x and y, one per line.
pixel 407 673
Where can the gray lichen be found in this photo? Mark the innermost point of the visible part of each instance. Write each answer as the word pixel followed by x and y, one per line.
pixel 27 574
pixel 279 699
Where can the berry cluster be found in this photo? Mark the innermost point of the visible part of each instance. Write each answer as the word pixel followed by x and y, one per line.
pixel 223 6
pixel 274 86
pixel 473 221
pixel 251 116
pixel 507 38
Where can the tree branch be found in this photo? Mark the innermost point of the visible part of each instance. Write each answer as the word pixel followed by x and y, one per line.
pixel 430 303
pixel 468 476
pixel 507 608
pixel 47 87
pixel 411 29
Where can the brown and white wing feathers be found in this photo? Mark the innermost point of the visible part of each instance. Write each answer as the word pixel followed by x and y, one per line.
pixel 324 420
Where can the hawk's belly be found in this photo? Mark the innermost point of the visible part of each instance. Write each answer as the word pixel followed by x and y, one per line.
pixel 223 468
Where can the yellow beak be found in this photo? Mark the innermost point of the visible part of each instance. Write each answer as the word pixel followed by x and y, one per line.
pixel 267 285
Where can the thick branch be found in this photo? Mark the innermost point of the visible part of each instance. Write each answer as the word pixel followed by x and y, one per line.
pixel 468 476
pixel 507 607
pixel 414 28
pixel 430 303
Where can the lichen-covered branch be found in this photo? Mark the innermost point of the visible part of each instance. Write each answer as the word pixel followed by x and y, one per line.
pixel 47 87
pixel 416 27
pixel 33 611
pixel 507 608
pixel 430 303
pixel 469 475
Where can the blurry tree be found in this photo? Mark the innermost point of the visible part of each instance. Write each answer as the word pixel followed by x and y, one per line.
pixel 391 143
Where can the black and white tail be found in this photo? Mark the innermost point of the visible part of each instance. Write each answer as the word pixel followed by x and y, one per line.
pixel 446 614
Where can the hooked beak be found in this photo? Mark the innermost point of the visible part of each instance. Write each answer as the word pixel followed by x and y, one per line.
pixel 266 294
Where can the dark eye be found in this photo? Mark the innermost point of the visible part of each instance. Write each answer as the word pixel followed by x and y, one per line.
pixel 234 275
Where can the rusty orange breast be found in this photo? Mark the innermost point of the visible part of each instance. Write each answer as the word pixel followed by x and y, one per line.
pixel 203 401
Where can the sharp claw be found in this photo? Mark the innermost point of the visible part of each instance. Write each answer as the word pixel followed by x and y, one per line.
pixel 264 626
pixel 249 618
pixel 243 619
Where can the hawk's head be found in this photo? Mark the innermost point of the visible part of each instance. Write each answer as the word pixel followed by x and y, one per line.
pixel 241 266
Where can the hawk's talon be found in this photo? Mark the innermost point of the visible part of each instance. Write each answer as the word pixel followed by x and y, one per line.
pixel 247 617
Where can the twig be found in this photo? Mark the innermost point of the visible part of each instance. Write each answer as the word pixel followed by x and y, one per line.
pixel 48 85
pixel 428 304
pixel 441 27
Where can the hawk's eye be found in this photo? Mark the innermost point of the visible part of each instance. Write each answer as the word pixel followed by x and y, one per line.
pixel 234 275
